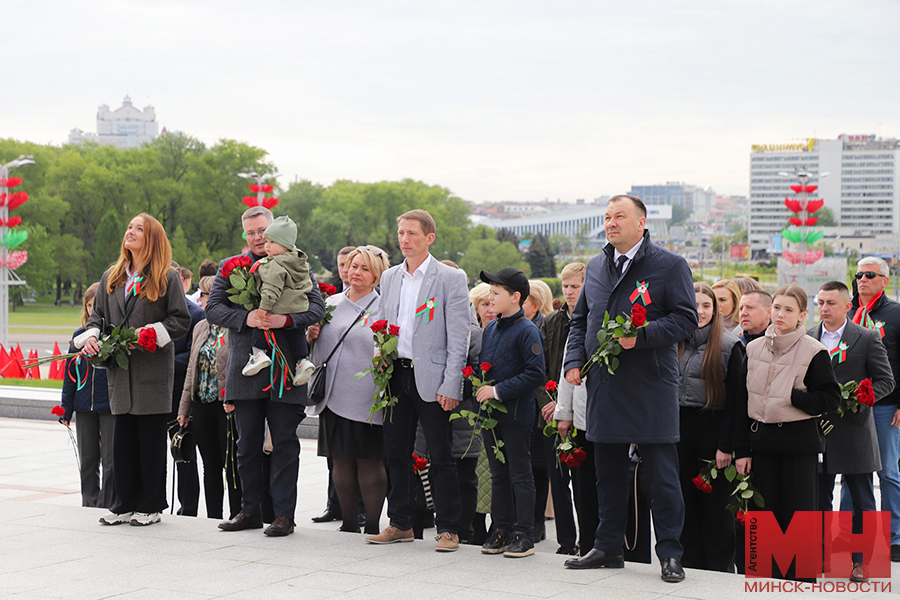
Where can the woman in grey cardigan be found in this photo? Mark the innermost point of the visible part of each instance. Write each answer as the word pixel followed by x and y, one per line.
pixel 347 431
pixel 142 282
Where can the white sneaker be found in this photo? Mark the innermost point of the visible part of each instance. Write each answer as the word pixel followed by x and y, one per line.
pixel 304 371
pixel 258 361
pixel 114 519
pixel 141 519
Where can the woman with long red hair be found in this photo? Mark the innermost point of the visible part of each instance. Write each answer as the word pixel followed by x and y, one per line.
pixel 140 290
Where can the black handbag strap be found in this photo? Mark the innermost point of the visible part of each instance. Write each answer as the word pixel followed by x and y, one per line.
pixel 355 321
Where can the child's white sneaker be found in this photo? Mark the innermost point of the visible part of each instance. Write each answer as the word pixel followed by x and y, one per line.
pixel 258 361
pixel 303 372
pixel 144 519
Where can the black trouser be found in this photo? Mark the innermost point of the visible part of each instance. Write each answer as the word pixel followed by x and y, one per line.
pixel 708 535
pixel 140 457
pixel 556 479
pixel 210 424
pixel 584 486
pixel 94 432
pixel 399 442
pixel 186 473
pixel 788 482
pixel 251 417
pixel 512 481
pixel 862 491
pixel 661 462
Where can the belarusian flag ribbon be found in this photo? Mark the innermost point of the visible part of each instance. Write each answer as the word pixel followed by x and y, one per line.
pixel 134 286
pixel 364 321
pixel 427 309
pixel 642 292
pixel 840 351
pixel 870 323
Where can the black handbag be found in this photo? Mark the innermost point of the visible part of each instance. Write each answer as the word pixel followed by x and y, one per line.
pixel 315 388
pixel 184 448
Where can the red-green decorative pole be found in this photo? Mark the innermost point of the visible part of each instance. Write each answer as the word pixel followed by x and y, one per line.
pixel 10 238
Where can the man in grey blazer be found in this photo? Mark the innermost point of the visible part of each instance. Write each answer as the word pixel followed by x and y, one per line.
pixel 429 302
pixel 254 407
pixel 851 447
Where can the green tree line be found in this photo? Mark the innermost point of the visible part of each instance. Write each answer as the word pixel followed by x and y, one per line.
pixel 82 197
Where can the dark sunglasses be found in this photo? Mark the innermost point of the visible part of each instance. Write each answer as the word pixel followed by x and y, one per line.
pixel 373 250
pixel 868 275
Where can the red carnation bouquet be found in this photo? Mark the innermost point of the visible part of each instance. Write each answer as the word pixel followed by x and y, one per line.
pixel 856 395
pixel 243 290
pixel 607 353
pixel 386 340
pixel 482 418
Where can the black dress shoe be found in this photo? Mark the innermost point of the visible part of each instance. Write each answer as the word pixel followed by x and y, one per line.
pixel 671 570
pixel 280 527
pixel 597 559
pixel 327 517
pixel 240 522
pixel 895 552
pixel 573 551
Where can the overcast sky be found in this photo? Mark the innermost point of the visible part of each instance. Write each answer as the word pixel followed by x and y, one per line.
pixel 496 100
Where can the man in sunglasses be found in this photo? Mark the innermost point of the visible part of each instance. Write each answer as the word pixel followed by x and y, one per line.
pixel 872 309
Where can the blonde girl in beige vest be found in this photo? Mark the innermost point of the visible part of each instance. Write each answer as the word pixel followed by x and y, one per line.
pixel 789 382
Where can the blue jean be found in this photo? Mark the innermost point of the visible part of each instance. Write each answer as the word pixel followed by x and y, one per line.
pixel 889 475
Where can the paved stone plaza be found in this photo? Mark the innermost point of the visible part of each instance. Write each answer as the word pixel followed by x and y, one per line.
pixel 51 548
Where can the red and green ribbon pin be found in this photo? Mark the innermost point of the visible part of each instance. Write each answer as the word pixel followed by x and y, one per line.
pixel 135 284
pixel 641 292
pixel 840 351
pixel 427 309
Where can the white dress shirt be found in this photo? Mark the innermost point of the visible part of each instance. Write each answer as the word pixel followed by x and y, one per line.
pixel 831 340
pixel 628 255
pixel 410 286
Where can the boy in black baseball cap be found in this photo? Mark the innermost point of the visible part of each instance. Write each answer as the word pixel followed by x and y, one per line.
pixel 512 346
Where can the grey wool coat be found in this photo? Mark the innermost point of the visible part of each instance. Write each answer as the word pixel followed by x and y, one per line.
pixel 851 447
pixel 221 311
pixel 145 388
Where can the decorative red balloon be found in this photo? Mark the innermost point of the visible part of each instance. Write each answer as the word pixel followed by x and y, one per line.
pixel 18 199
pixel 270 202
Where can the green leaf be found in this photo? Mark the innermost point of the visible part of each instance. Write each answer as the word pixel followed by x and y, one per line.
pixel 758 500
pixel 122 361
pixel 455 416
pixel 730 472
pixel 489 423
pixel 390 345
pixel 361 374
pixel 501 408
pixel 237 281
pixel 747 494
pixel 713 472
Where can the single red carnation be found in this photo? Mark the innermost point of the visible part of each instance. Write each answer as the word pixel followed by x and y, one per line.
pixel 550 386
pixel 393 330
pixel 58 411
pixel 579 454
pixel 327 290
pixel 379 326
pixel 468 372
pixel 485 367
pixel 147 339
pixel 638 315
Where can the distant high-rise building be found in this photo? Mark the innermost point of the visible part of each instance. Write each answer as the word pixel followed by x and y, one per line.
pixel 860 187
pixel 125 127
pixel 698 200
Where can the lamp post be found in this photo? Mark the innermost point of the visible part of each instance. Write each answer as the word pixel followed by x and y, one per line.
pixel 6 269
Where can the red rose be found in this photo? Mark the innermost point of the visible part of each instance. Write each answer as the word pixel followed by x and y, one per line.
pixel 485 367
pixel 147 339
pixel 707 488
pixel 698 482
pixel 379 326
pixel 419 462
pixel 579 454
pixel 550 386
pixel 222 392
pixel 739 516
pixel 468 372
pixel 58 411
pixel 327 290
pixel 865 394
pixel 393 330
pixel 237 262
pixel 638 315
pixel 564 457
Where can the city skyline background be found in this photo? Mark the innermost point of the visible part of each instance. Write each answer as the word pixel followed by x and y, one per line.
pixel 499 101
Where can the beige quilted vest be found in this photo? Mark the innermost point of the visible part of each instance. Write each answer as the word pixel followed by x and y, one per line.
pixel 775 366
